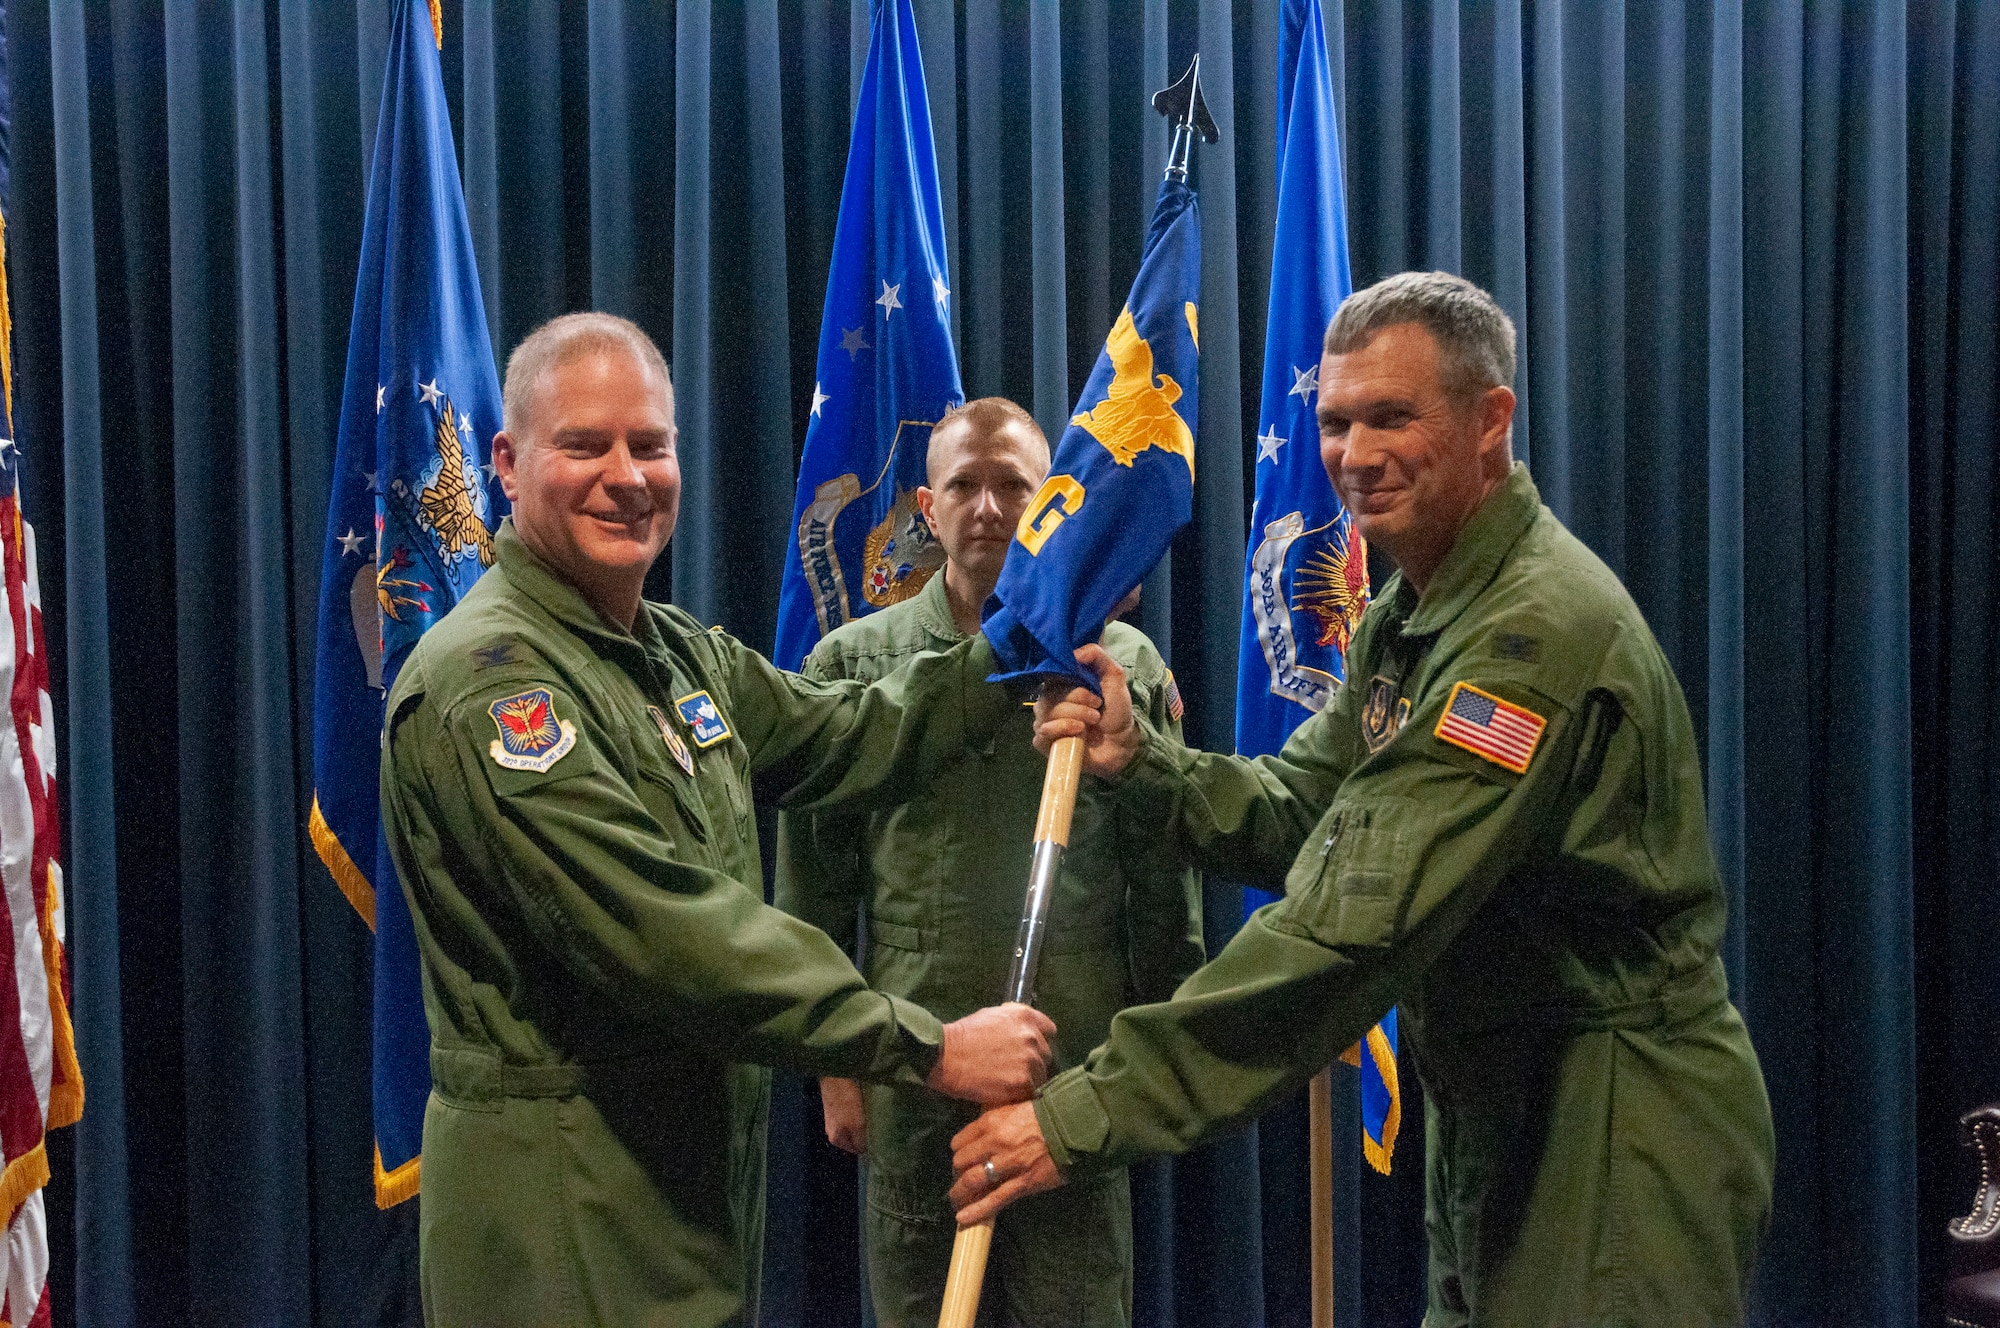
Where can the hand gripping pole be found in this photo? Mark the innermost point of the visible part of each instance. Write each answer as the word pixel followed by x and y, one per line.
pixel 970 1247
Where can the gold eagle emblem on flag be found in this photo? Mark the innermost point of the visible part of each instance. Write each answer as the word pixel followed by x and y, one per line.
pixel 1138 412
pixel 446 502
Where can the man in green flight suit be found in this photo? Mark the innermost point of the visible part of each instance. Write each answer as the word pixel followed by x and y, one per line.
pixel 1498 824
pixel 942 879
pixel 567 779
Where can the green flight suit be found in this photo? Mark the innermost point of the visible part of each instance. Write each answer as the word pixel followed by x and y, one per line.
pixel 1599 1143
pixel 942 878
pixel 599 970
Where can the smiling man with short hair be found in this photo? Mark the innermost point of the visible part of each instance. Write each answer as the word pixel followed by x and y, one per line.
pixel 1497 825
pixel 567 785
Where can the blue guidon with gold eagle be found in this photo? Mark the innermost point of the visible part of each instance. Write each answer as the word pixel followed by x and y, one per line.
pixel 1122 481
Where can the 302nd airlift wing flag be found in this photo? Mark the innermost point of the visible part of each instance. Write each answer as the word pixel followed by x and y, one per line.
pixel 1306 569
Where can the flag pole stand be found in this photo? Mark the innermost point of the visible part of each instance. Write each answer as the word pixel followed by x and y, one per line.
pixel 1320 1157
pixel 969 1248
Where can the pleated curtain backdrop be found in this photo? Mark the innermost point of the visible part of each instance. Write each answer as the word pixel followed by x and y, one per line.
pixel 1752 254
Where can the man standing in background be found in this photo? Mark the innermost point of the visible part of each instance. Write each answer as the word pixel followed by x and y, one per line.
pixel 941 880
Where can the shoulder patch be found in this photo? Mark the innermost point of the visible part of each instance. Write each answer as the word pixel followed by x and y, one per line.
pixel 1513 645
pixel 1487 726
pixel 698 712
pixel 1175 706
pixel 532 737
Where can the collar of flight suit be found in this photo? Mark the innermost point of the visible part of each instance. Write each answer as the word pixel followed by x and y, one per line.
pixel 934 610
pixel 563 601
pixel 1476 556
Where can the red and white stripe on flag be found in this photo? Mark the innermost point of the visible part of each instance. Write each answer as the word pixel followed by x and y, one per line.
pixel 1487 726
pixel 40 1085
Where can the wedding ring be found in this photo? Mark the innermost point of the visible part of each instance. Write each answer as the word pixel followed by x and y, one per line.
pixel 992 1176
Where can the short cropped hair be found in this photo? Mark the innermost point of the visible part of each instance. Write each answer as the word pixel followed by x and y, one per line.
pixel 1475 337
pixel 562 339
pixel 989 414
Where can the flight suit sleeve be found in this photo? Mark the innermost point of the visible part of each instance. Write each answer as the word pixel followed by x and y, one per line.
pixel 1245 818
pixel 1413 843
pixel 571 855
pixel 814 744
pixel 820 876
pixel 1162 893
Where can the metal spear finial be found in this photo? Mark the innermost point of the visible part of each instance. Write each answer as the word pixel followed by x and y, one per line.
pixel 1188 113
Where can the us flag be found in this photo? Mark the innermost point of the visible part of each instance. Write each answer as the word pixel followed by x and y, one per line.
pixel 1485 725
pixel 40 1086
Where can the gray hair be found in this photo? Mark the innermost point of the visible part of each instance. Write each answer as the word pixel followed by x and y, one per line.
pixel 1475 338
pixel 562 339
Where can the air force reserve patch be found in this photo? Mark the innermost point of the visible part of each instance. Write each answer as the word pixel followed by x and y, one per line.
pixel 1382 713
pixel 702 718
pixel 531 736
pixel 675 745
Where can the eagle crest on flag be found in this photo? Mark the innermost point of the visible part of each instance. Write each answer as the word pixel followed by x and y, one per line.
pixel 450 502
pixel 900 554
pixel 1333 588
pixel 1137 412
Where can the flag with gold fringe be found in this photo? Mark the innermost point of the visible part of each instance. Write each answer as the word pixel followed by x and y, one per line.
pixel 408 531
pixel 1306 568
pixel 41 1088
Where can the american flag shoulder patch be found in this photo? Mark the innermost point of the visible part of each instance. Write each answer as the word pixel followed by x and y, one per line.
pixel 1487 726
pixel 1175 706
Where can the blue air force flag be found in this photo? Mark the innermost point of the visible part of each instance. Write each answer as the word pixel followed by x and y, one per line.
pixel 1306 567
pixel 1122 479
pixel 886 368
pixel 408 532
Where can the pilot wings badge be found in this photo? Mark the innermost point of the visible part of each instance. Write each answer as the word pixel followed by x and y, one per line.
pixel 900 554
pixel 1138 411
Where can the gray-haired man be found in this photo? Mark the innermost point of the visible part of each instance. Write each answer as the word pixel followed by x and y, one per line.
pixel 1498 824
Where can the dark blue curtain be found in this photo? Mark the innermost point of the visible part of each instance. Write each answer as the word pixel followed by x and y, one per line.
pixel 1752 254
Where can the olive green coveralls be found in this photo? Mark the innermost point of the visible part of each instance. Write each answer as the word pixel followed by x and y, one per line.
pixel 601 975
pixel 1599 1143
pixel 942 879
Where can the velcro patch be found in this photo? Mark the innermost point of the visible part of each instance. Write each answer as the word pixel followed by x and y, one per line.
pixel 1487 726
pixel 532 737
pixel 704 721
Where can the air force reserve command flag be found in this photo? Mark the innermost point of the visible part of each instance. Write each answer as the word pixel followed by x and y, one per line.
pixel 886 368
pixel 408 532
pixel 1307 567
pixel 1122 481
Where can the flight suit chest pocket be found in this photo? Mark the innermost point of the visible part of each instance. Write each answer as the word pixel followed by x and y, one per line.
pixel 675 798
pixel 1347 886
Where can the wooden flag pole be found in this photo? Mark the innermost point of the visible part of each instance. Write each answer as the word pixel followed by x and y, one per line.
pixel 969 1248
pixel 1320 1158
